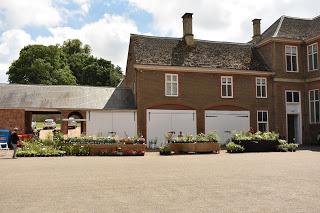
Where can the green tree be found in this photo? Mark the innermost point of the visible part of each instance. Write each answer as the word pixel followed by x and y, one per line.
pixel 39 64
pixel 70 63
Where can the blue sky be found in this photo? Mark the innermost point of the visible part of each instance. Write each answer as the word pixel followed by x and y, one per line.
pixel 106 24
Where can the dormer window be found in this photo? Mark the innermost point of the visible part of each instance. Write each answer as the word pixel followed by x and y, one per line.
pixel 313 57
pixel 291 58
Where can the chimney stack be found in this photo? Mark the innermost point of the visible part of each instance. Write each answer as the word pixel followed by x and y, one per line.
pixel 256 30
pixel 187 29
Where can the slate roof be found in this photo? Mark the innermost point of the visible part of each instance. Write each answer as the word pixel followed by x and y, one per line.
pixel 65 97
pixel 163 51
pixel 293 28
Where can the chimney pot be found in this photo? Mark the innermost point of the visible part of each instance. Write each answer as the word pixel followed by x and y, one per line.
pixel 256 29
pixel 187 29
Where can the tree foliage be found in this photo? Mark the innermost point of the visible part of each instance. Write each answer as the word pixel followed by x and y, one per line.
pixel 68 64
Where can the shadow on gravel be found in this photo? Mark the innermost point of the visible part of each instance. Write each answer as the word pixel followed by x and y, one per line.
pixel 313 148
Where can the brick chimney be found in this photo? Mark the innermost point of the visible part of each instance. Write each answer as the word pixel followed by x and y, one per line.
pixel 187 29
pixel 256 30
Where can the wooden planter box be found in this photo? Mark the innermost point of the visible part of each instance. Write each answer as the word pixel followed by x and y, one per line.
pixel 258 145
pixel 179 148
pixel 98 149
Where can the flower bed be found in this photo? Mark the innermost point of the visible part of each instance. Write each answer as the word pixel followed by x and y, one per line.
pixel 257 142
pixel 83 146
pixel 200 143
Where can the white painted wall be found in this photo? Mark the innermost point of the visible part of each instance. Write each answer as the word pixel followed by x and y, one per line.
pixel 160 122
pixel 226 123
pixel 101 123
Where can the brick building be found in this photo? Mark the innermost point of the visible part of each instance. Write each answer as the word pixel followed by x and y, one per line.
pixel 189 85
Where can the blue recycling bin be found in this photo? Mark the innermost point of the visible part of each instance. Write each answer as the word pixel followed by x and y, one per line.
pixel 5 136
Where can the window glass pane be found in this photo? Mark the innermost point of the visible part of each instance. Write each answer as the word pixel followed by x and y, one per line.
pixel 263 81
pixel 312 95
pixel 294 63
pixel 315 61
pixel 259 91
pixel 168 77
pixel 310 63
pixel 296 96
pixel 258 80
pixel 229 90
pixel 265 116
pixel 289 63
pixel 168 92
pixel 288 50
pixel 224 80
pixel 263 94
pixel 174 78
pixel 317 111
pixel 312 112
pixel 289 97
pixel 294 50
pixel 259 116
pixel 315 47
pixel 309 49
pixel 224 90
pixel 174 89
pixel 229 80
pixel 262 127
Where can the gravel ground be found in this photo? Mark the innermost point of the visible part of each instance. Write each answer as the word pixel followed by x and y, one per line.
pixel 250 182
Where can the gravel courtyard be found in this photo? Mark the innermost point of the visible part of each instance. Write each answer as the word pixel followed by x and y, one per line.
pixel 250 182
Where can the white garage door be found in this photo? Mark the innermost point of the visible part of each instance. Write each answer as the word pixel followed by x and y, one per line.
pixel 160 122
pixel 226 123
pixel 102 123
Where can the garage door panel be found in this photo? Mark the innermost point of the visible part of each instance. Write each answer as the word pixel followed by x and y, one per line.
pixel 101 123
pixel 160 122
pixel 226 123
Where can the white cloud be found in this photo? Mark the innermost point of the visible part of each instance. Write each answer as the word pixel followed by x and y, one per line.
pixel 228 20
pixel 17 13
pixel 108 37
pixel 11 43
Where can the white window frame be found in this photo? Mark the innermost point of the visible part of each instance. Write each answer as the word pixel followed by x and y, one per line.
pixel 261 85
pixel 312 103
pixel 312 53
pixel 292 91
pixel 263 122
pixel 171 82
pixel 291 54
pixel 227 84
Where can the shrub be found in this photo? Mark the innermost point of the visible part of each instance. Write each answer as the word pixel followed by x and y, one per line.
pixel 287 147
pixel 91 140
pixel 234 148
pixel 213 136
pixel 165 150
pixel 244 136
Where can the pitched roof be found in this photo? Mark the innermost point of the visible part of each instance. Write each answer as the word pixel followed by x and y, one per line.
pixel 149 50
pixel 293 28
pixel 65 97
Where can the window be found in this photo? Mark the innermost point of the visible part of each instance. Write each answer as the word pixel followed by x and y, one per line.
pixel 262 121
pixel 291 58
pixel 292 97
pixel 261 85
pixel 226 87
pixel 171 85
pixel 313 57
pixel 314 106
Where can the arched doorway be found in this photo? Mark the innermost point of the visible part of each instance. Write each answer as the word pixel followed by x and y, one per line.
pixel 76 123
